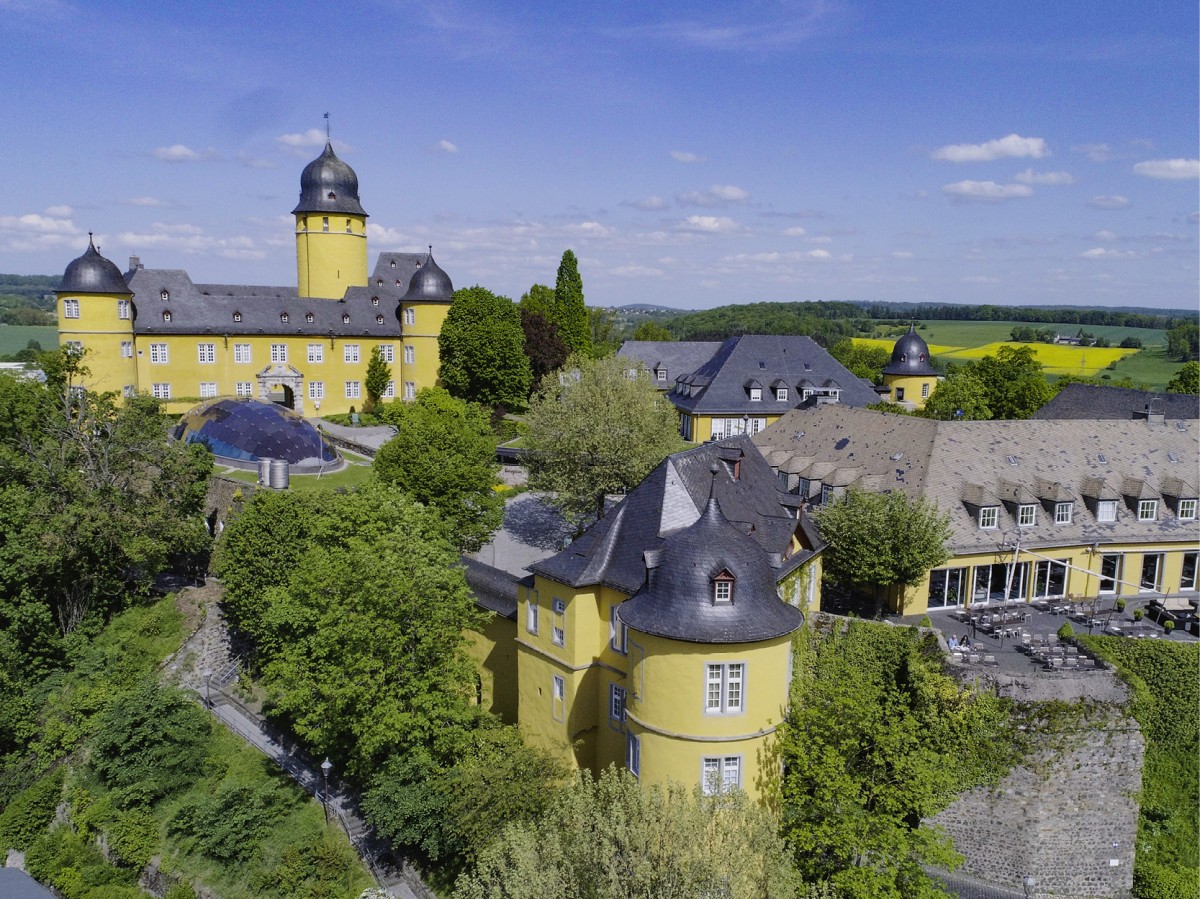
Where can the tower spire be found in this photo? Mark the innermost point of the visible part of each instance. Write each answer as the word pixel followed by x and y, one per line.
pixel 327 138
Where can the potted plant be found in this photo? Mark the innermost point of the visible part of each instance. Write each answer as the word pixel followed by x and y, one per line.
pixel 1138 614
pixel 1168 626
pixel 1120 605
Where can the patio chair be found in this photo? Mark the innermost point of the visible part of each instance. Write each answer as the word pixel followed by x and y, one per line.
pixel 1072 662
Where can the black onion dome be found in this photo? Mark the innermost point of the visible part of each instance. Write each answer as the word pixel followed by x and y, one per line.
pixel 428 283
pixel 246 430
pixel 910 356
pixel 92 273
pixel 328 185
pixel 677 600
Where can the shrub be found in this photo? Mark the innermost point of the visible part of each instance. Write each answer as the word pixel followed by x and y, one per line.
pixel 29 815
pixel 229 824
pixel 925 621
pixel 1138 614
pixel 1120 605
pixel 1168 625
pixel 1066 632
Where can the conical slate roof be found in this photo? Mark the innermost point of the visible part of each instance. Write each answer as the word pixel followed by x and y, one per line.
pixel 92 273
pixel 910 356
pixel 429 283
pixel 328 185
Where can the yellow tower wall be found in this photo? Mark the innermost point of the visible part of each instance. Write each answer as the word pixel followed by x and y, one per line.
pixel 422 337
pixel 331 253
pixel 912 388
pixel 101 331
pixel 494 650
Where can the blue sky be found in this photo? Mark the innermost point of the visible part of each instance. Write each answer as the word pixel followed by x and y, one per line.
pixel 691 154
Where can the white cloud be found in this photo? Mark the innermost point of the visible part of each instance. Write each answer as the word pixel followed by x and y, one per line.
pixel 591 229
pixel 985 190
pixel 902 254
pixel 1094 152
pixel 1169 169
pixel 177 153
pixel 388 237
pixel 191 240
pixel 794 232
pixel 38 224
pixel 445 146
pixel 148 202
pixel 33 233
pixel 818 254
pixel 1109 202
pixel 1105 253
pixel 650 204
pixel 636 271
pixel 313 138
pixel 1029 176
pixel 684 156
pixel 59 212
pixel 255 162
pixel 1105 235
pixel 708 224
pixel 717 195
pixel 1012 145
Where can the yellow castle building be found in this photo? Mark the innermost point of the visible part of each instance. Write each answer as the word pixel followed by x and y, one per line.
pixel 155 331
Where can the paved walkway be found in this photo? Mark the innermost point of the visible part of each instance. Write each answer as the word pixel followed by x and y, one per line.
pixel 373 436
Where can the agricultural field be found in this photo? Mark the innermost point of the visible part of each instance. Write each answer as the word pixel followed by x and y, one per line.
pixel 16 337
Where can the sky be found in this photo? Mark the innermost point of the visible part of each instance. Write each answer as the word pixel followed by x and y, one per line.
pixel 691 154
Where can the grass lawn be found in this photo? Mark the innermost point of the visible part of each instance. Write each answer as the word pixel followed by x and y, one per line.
pixel 1150 368
pixel 353 475
pixel 16 337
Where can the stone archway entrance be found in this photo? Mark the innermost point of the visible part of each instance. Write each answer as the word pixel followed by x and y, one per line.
pixel 280 383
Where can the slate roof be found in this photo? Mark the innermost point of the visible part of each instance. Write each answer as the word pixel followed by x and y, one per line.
pixel 1100 402
pixel 672 498
pixel 329 185
pixel 910 356
pixel 956 465
pixel 494 589
pixel 678 357
pixel 677 602
pixel 719 385
pixel 92 273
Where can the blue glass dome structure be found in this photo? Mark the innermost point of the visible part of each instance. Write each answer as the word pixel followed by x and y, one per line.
pixel 244 430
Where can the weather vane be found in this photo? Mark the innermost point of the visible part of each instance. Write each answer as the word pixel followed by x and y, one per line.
pixel 326 126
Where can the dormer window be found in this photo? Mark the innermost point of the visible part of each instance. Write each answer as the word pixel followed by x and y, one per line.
pixel 1147 509
pixel 374 301
pixel 989 518
pixel 756 394
pixel 1063 513
pixel 1187 510
pixel 309 317
pixel 331 196
pixel 661 374
pixel 1026 515
pixel 379 281
pixel 781 394
pixel 166 315
pixel 237 316
pixel 723 588
pixel 166 295
pixel 345 319
pixel 283 317
pixel 393 263
pixel 379 319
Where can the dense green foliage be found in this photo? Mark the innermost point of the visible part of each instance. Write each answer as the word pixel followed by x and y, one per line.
pixel 570 313
pixel 379 373
pixel 1066 315
pixel 876 740
pixel 1165 679
pixel 826 323
pixel 960 396
pixel 881 539
pixel 482 353
pixel 29 815
pixel 595 431
pixel 651 330
pixel 443 455
pixel 1183 340
pixel 610 838
pixel 543 346
pixel 1186 380
pixel 863 361
pixel 1012 381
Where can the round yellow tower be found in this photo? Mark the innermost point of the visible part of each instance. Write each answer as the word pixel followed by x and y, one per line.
pixel 331 229
pixel 95 313
pixel 909 377
pixel 423 308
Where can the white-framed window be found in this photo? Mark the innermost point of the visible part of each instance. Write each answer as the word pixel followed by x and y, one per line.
pixel 1187 574
pixel 283 318
pixel 1026 515
pixel 661 375
pixel 410 390
pixel 924 391
pixel 279 352
pixel 244 388
pixel 1147 509
pixel 309 317
pixel 206 353
pixel 345 318
pixel 164 294
pixel 316 390
pixel 989 518
pixel 353 390
pixel 724 688
pixel 316 353
pixel 208 389
pixel 1187 509
pixel 324 223
pixel 387 352
pixel 618 636
pixel 350 353
pixel 159 354
pixel 410 354
pixel 241 353
pixel 723 588
pixel 558 632
pixel 947 587
pixel 720 773
pixel 1106 510
pixel 827 494
pixel 160 391
pixel 126 349
pixel 899 394
pixel 531 613
pixel 410 316
pixel 1110 572
pixel 389 392
pixel 633 754
pixel 1050 578
pixel 70 308
pixel 1063 512
pixel 558 697
pixel 123 309
pixel 616 703
pixel 1152 566
pixel 166 315
pixel 75 346
pixel 781 394
pixel 237 317
pixel 756 394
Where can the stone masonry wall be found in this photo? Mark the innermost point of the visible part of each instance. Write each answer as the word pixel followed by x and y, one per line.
pixel 1068 817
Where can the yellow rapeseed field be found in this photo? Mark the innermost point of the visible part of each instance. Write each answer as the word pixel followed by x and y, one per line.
pixel 1057 359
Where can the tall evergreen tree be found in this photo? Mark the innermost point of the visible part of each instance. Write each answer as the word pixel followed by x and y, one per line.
pixel 570 314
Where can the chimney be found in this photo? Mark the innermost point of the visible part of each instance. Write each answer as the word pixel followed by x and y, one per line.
pixel 135 263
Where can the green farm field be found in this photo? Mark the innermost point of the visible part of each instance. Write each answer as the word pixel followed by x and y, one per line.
pixel 17 337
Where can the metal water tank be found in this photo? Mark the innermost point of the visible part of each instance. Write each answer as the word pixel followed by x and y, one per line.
pixel 264 471
pixel 279 474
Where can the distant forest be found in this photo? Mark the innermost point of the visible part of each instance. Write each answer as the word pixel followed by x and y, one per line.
pixel 1071 315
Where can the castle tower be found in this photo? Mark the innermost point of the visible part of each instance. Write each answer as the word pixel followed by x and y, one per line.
pixel 909 377
pixel 331 229
pixel 423 308
pixel 95 313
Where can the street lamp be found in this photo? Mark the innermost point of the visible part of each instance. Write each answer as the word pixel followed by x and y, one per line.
pixel 1029 883
pixel 325 768
pixel 208 673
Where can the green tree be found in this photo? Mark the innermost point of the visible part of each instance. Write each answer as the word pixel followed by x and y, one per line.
pixel 1013 383
pixel 651 331
pixel 443 455
pixel 594 431
pixel 881 539
pixel 1186 380
pixel 539 300
pixel 379 373
pixel 570 313
pixel 610 838
pixel 543 346
pixel 482 352
pixel 863 361
pixel 958 396
pixel 876 741
pixel 1183 340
